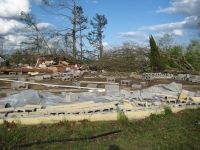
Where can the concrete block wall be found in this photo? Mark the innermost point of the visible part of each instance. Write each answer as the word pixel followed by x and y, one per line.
pixel 12 73
pixel 189 77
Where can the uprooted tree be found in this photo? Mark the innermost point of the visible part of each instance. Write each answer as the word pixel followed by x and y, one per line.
pixel 126 58
pixel 174 59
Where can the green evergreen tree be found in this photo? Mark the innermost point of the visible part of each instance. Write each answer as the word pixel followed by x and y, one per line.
pixel 156 61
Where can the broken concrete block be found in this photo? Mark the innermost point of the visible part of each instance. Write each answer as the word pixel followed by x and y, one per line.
pixel 33 106
pixel 170 101
pixel 148 77
pixel 12 73
pixel 2 115
pixel 198 77
pixel 47 76
pixel 184 94
pixel 125 107
pixel 74 111
pixel 197 94
pixel 137 76
pixel 76 75
pixel 110 79
pixel 195 99
pixel 144 84
pixel 55 107
pixel 125 82
pixel 111 87
pixel 146 95
pixel 168 97
pixel 91 110
pixel 182 76
pixel 178 105
pixel 101 76
pixel 30 109
pixel 19 109
pixel 17 115
pixel 36 114
pixel 66 78
pixel 194 80
pixel 38 78
pixel 92 85
pixel 56 74
pixel 76 84
pixel 136 86
pixel 7 110
pixel 71 97
pixel 18 85
pixel 132 74
pixel 108 107
pixel 22 79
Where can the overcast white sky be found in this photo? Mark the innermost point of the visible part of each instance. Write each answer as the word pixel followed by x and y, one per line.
pixel 127 19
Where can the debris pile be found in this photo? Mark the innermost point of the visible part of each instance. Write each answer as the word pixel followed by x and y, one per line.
pixel 111 100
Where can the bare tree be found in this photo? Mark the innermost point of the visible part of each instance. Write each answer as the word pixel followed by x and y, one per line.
pixel 56 8
pixel 29 20
pixel 81 22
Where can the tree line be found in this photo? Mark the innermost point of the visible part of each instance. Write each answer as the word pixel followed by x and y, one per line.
pixel 161 56
pixel 67 40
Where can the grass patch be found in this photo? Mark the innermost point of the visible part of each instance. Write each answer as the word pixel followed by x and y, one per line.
pixel 122 118
pixel 168 111
pixel 158 131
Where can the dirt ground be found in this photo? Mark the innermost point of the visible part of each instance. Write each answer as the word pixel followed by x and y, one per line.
pixel 5 86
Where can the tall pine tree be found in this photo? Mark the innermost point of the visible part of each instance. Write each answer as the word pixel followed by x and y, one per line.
pixel 156 60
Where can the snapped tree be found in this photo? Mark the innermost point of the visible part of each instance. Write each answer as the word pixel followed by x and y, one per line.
pixel 81 22
pixel 61 8
pixel 96 36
